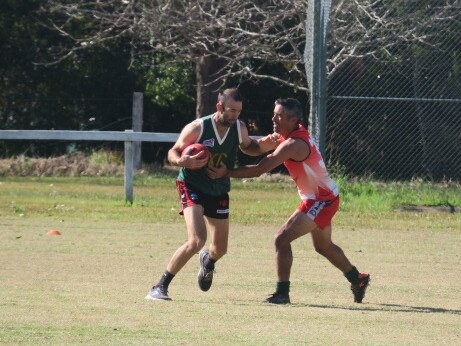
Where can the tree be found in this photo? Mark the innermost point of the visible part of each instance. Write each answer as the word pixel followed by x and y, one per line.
pixel 366 28
pixel 223 39
pixel 34 96
pixel 229 39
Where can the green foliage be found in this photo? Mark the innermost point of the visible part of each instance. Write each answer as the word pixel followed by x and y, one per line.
pixel 169 82
pixel 90 90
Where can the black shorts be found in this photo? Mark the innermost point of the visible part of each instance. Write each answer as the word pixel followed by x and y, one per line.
pixel 213 206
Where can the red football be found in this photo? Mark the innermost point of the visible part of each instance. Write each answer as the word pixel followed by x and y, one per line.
pixel 197 148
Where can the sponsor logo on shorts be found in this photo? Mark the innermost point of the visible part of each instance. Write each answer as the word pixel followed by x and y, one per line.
pixel 193 196
pixel 222 211
pixel 315 209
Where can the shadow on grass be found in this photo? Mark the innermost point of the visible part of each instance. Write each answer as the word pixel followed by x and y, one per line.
pixel 358 307
pixel 386 307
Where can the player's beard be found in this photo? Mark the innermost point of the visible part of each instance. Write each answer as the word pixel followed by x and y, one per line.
pixel 226 122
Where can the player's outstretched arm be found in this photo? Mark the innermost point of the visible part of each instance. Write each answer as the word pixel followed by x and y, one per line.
pixel 287 150
pixel 255 147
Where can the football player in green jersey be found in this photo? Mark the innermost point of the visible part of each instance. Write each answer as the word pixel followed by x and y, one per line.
pixel 202 197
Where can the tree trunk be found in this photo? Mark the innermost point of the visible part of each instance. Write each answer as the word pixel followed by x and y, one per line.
pixel 209 82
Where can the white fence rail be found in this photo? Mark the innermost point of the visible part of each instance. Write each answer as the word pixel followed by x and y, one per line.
pixel 128 137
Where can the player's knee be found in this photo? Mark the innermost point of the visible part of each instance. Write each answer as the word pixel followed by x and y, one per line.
pixel 280 240
pixel 220 251
pixel 321 249
pixel 196 244
pixel 325 249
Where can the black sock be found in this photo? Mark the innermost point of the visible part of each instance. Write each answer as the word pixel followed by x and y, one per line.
pixel 209 262
pixel 352 276
pixel 283 287
pixel 165 279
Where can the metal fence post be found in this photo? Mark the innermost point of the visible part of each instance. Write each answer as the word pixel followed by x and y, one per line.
pixel 315 57
pixel 137 111
pixel 129 170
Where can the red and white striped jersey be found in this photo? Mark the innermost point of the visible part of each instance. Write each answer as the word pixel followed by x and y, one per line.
pixel 310 175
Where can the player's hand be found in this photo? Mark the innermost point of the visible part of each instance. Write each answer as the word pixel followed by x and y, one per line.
pixel 192 161
pixel 275 137
pixel 217 172
pixel 269 142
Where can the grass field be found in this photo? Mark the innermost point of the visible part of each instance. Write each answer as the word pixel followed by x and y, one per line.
pixel 87 286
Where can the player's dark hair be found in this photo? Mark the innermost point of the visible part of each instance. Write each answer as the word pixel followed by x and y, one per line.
pixel 231 93
pixel 292 107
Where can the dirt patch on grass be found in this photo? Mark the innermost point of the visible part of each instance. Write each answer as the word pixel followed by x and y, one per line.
pixel 430 208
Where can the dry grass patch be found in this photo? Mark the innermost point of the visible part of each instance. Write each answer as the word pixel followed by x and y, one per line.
pixel 88 286
pixel 66 165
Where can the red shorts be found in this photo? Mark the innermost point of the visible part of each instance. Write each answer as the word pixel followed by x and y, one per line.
pixel 321 212
pixel 213 206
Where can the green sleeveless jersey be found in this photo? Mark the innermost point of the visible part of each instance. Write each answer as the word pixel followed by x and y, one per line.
pixel 221 150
